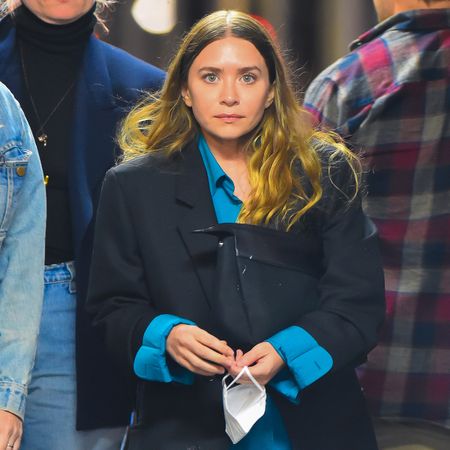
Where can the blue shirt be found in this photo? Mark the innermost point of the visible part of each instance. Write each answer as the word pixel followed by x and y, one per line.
pixel 306 361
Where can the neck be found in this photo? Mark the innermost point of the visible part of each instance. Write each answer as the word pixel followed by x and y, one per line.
pixel 63 15
pixel 63 39
pixel 407 5
pixel 226 150
pixel 232 158
pixel 388 8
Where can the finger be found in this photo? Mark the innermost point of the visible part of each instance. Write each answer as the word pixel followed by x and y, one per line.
pixel 215 344
pixel 13 444
pixel 17 444
pixel 260 372
pixel 195 345
pixel 234 370
pixel 10 430
pixel 251 357
pixel 208 368
pixel 207 354
pixel 189 366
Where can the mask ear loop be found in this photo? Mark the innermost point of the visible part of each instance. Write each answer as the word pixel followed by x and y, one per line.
pixel 245 371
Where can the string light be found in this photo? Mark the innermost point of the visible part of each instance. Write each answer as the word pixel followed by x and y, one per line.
pixel 155 16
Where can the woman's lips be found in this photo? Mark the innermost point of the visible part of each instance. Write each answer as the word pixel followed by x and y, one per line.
pixel 229 118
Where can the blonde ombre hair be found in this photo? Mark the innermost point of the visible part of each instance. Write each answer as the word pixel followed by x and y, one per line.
pixel 281 147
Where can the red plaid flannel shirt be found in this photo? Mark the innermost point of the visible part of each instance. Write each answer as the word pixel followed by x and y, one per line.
pixel 390 98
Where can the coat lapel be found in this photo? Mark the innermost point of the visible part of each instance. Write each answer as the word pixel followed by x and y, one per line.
pixel 192 195
pixel 93 151
pixel 10 66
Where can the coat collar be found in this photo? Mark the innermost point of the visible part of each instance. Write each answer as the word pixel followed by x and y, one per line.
pixel 418 20
pixel 95 75
pixel 191 179
pixel 10 69
pixel 96 114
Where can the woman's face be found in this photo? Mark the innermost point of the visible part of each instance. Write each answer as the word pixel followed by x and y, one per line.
pixel 59 12
pixel 228 89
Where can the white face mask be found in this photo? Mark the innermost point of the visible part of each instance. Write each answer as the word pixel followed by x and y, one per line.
pixel 243 405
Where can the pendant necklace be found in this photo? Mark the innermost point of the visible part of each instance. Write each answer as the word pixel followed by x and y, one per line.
pixel 42 136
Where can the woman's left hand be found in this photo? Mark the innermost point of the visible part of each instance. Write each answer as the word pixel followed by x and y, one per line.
pixel 263 361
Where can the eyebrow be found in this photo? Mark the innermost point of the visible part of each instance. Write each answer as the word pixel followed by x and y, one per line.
pixel 217 69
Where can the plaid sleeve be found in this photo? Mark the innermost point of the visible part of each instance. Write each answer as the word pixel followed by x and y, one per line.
pixel 321 100
pixel 342 96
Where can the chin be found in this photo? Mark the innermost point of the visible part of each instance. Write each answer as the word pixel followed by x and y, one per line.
pixel 64 12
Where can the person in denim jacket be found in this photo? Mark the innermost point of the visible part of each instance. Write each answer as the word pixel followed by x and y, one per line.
pixel 22 227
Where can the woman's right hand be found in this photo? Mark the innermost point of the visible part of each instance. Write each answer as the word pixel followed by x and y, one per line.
pixel 198 351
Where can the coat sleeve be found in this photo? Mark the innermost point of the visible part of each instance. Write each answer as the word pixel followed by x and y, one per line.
pixel 351 303
pixel 118 295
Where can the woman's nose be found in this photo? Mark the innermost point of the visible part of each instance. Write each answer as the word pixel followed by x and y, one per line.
pixel 229 94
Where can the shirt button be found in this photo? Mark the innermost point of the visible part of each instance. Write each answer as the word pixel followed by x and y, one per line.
pixel 21 171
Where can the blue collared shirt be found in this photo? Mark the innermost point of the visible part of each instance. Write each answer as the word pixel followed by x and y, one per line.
pixel 226 205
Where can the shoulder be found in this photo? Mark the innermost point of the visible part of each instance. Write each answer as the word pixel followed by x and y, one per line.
pixel 148 168
pixel 343 95
pixel 358 74
pixel 337 74
pixel 133 71
pixel 341 175
pixel 5 25
pixel 7 100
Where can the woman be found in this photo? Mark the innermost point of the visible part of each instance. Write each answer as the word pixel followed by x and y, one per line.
pixel 226 140
pixel 74 89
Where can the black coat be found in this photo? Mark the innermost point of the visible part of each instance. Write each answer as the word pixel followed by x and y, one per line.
pixel 147 261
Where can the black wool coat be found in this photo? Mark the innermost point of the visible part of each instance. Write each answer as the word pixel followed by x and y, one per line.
pixel 147 261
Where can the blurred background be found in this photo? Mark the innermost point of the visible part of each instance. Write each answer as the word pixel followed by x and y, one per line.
pixel 313 33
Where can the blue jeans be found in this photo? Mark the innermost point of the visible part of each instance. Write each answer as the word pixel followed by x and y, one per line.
pixel 50 413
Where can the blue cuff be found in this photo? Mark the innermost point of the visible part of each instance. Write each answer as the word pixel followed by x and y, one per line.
pixel 150 362
pixel 306 360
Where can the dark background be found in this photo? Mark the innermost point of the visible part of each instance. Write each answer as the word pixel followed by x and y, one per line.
pixel 313 33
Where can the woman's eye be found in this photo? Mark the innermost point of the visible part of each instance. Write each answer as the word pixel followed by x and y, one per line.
pixel 248 78
pixel 210 77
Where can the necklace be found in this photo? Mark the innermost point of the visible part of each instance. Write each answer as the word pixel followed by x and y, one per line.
pixel 42 136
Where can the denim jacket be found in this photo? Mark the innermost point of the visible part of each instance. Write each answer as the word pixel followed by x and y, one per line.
pixel 22 227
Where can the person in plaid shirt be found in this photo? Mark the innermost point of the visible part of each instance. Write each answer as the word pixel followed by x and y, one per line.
pixel 390 99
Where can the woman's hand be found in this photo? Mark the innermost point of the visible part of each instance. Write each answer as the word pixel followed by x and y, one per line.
pixel 263 361
pixel 10 431
pixel 198 351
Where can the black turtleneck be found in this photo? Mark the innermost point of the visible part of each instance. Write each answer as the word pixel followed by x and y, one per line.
pixel 51 56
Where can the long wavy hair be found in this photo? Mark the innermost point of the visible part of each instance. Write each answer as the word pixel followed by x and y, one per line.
pixel 282 146
pixel 8 6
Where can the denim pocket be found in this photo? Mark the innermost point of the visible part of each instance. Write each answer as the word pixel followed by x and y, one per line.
pixel 13 169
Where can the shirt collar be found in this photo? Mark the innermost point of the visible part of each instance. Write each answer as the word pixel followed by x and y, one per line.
pixel 414 20
pixel 216 175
